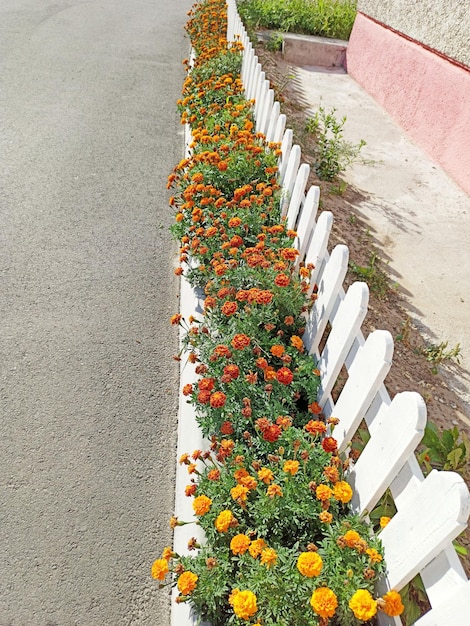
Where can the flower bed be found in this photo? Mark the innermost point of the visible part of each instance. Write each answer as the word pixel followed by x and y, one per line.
pixel 281 544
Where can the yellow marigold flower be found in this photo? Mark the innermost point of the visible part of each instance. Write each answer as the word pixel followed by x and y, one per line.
pixel 384 520
pixel 244 603
pixel 187 582
pixel 160 569
pixel 351 538
pixel 167 553
pixel 363 605
pixel 297 342
pixel 324 602
pixel 291 467
pixel 239 493
pixel 342 491
pixel 265 475
pixel 249 482
pixel 374 556
pixel 223 521
pixel 274 490
pixel 309 564
pixel 325 517
pixel 323 492
pixel 268 557
pixel 201 505
pixel 256 547
pixel 393 605
pixel 240 544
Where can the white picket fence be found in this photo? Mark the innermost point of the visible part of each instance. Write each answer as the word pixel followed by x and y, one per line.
pixel 431 511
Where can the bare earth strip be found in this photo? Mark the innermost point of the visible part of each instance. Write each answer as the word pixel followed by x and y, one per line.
pixel 89 133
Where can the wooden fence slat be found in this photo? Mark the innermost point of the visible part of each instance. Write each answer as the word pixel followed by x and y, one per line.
pixel 367 372
pixel 345 326
pixel 267 111
pixel 395 439
pixel 317 248
pixel 273 119
pixel 455 610
pixel 289 178
pixel 298 195
pixel 328 288
pixel 419 531
pixel 306 222
pixel 286 147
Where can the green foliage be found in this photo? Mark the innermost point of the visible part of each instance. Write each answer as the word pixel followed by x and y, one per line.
pixel 325 18
pixel 438 353
pixel 446 450
pixel 373 275
pixel 333 153
pixel 275 43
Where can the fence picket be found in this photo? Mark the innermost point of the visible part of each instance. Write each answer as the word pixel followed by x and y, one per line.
pixel 298 195
pixel 289 178
pixel 286 147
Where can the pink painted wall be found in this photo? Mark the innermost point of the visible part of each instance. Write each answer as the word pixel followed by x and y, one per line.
pixel 428 95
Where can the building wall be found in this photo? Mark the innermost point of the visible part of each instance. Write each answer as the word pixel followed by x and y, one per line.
pixel 443 25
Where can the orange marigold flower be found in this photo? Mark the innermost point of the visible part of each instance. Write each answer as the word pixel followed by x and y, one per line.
pixel 282 280
pixel 324 602
pixel 224 520
pixel 325 517
pixel 190 490
pixel 277 350
pixel 309 564
pixel 265 475
pixel 229 308
pixel 251 378
pixel 213 474
pixel 232 370
pixel 249 482
pixel 187 582
pixel 240 544
pixel 204 396
pixel 209 302
pixel 240 341
pixel 187 390
pixel 291 467
pixel 218 399
pixel 234 222
pixel 274 490
pixel 374 556
pixel 342 491
pixel 315 408
pixel 332 474
pixel 329 444
pixel 168 553
pixel 351 537
pixel 206 384
pixel 178 271
pixel 202 505
pixel 363 605
pixel 239 493
pixel 268 557
pixel 284 375
pixel 323 493
pixel 222 350
pixel 384 520
pixel 226 428
pixel 315 427
pixel 256 547
pixel 240 473
pixel 288 320
pixel 243 603
pixel 160 569
pixel 297 342
pixel 393 604
pixel 176 319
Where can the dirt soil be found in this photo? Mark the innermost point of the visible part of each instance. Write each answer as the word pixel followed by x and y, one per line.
pixel 388 305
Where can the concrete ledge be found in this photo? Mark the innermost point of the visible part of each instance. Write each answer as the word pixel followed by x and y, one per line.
pixel 308 49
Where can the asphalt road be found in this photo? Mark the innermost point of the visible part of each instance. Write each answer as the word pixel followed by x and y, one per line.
pixel 88 388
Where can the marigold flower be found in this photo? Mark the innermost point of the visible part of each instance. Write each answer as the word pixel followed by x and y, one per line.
pixel 384 520
pixel 325 517
pixel 374 556
pixel 266 475
pixel 206 384
pixel 393 604
pixel 243 603
pixel 297 342
pixel 342 492
pixel 351 537
pixel 282 280
pixel 256 547
pixel 240 544
pixel 224 520
pixel 190 490
pixel 202 505
pixel 187 390
pixel 363 605
pixel 204 397
pixel 324 602
pixel 176 319
pixel 332 474
pixel 160 569
pixel 213 474
pixel 315 427
pixel 226 428
pixel 277 350
pixel 229 308
pixel 249 482
pixel 323 492
pixel 251 377
pixel 288 320
pixel 218 399
pixel 268 557
pixel 284 375
pixel 309 564
pixel 187 582
pixel 315 408
pixel 240 473
pixel 274 490
pixel 291 467
pixel 222 351
pixel 240 341
pixel 232 370
pixel 329 444
pixel 168 553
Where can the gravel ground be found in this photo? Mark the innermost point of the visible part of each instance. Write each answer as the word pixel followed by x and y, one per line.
pixel 88 388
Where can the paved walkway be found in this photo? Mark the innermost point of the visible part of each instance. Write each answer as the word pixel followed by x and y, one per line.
pixel 418 216
pixel 88 392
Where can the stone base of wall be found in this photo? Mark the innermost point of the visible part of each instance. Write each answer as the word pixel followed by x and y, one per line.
pixel 428 95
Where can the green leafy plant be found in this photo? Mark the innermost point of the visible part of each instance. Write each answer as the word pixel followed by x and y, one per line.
pixel 275 43
pixel 373 275
pixel 333 153
pixel 440 353
pixel 444 450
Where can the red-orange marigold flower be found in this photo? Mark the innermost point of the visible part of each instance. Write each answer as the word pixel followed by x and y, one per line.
pixel 285 376
pixel 218 399
pixel 240 341
pixel 329 444
pixel 282 280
